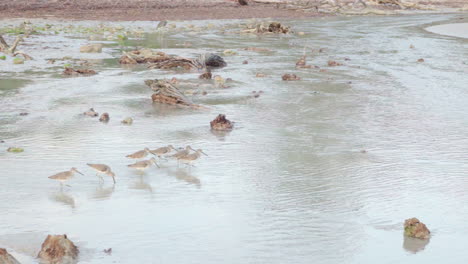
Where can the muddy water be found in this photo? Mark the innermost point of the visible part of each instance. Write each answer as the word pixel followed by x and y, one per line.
pixel 322 170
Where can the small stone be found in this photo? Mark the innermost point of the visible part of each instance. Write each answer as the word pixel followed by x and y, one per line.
pixel 221 123
pixel 290 77
pixel 421 60
pixel 92 48
pixel 2 141
pixel 58 249
pixel 411 46
pixel 245 62
pixel 15 149
pixel 332 63
pixel 6 258
pixel 215 61
pixel 301 33
pixel 127 121
pixel 104 118
pixel 414 228
pixel 24 114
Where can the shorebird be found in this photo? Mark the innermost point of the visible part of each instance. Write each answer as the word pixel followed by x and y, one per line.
pixel 64 175
pixel 144 164
pixel 191 158
pixel 91 113
pixel 102 169
pixel 139 154
pixel 163 150
pixel 183 152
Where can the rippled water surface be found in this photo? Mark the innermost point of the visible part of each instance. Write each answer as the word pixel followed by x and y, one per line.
pixel 322 170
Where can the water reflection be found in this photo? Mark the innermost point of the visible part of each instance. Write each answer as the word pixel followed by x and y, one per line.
pixel 186 176
pixel 102 193
pixel 141 184
pixel 414 245
pixel 221 135
pixel 63 198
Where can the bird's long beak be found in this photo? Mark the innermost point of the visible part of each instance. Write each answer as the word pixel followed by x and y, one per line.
pixel 203 153
pixel 79 172
pixel 192 149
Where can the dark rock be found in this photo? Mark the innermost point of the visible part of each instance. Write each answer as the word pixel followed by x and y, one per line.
pixel 242 2
pixel 214 60
pixel 58 249
pixel 24 114
pixel 205 76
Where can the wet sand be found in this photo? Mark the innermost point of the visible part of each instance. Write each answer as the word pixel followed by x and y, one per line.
pixel 156 10
pixel 454 30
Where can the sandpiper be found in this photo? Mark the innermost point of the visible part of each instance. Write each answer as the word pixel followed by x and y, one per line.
pixel 163 150
pixel 102 169
pixel 139 154
pixel 64 175
pixel 144 164
pixel 191 158
pixel 182 153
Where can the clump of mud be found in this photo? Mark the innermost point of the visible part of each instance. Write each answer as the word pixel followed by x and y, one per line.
pixel 221 123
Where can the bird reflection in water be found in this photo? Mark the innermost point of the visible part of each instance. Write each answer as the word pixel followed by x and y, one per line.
pixel 141 184
pixel 63 198
pixel 186 176
pixel 102 193
pixel 414 245
pixel 220 135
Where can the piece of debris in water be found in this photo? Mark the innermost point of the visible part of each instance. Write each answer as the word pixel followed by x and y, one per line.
pixel 24 114
pixel 421 60
pixel 205 76
pixel 15 149
pixel 257 94
pixel 72 72
pixel 260 75
pixel 221 123
pixel 414 228
pixel 91 113
pixel 245 62
pixel 104 118
pixel 257 49
pixel 290 77
pixel 58 249
pixel 411 46
pixel 108 251
pixel 332 63
pixel 127 121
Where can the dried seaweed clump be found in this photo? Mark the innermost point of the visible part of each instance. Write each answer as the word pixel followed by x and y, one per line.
pixel 271 28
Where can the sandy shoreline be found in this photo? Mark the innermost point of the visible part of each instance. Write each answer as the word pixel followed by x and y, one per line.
pixel 157 10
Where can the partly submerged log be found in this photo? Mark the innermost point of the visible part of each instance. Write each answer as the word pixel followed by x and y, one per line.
pixel 58 249
pixel 6 258
pixel 221 123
